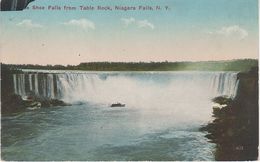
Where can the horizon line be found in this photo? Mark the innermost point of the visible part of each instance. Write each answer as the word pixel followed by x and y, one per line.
pixel 133 62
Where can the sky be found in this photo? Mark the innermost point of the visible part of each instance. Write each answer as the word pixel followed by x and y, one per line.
pixel 182 30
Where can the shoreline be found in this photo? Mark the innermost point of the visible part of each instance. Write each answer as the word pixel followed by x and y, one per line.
pixel 227 65
pixel 235 127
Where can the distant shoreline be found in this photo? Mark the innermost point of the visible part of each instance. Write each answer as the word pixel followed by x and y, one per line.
pixel 227 65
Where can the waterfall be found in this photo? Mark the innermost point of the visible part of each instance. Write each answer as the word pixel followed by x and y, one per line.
pixel 132 87
pixel 30 81
pixel 14 5
pixel 36 84
pixel 15 85
pixel 42 86
pixel 225 83
pixel 20 84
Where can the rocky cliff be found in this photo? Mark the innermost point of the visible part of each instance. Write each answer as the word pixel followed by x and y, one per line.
pixel 235 127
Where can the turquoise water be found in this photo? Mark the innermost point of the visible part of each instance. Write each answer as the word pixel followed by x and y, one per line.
pixel 161 120
pixel 93 132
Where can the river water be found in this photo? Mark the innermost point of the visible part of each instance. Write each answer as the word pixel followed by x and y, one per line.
pixel 161 119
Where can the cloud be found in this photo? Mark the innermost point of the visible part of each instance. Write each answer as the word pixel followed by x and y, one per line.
pixel 29 24
pixel 231 31
pixel 145 24
pixel 128 21
pixel 138 23
pixel 82 23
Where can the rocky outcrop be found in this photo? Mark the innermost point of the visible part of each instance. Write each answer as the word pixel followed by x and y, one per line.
pixel 235 127
pixel 15 104
pixel 14 5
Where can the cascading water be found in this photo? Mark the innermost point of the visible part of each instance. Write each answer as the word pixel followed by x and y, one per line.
pixel 161 119
pixel 106 87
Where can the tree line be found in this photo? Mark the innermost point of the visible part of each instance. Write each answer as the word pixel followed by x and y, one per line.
pixel 231 65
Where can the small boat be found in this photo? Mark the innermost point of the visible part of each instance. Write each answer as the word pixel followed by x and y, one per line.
pixel 117 105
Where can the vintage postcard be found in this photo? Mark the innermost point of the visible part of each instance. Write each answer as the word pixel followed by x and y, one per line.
pixel 129 80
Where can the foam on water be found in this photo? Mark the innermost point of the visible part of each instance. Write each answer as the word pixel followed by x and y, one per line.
pixel 180 93
pixel 161 120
